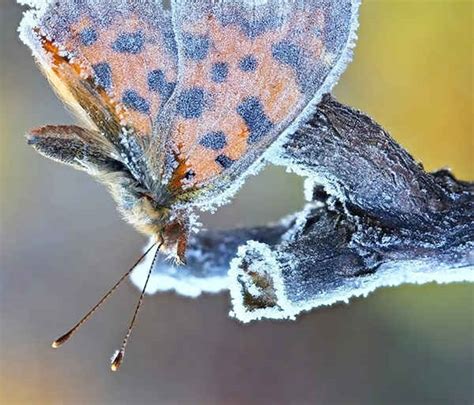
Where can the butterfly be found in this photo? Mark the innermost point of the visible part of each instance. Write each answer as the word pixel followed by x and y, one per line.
pixel 181 103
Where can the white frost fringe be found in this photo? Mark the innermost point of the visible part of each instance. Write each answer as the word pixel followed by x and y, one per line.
pixel 387 275
pixel 175 278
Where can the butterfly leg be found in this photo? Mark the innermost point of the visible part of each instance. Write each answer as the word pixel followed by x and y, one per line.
pixel 175 236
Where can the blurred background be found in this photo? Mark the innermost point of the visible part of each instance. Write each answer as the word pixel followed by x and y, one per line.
pixel 62 245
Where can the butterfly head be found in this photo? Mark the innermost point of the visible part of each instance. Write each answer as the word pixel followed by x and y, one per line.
pixel 149 212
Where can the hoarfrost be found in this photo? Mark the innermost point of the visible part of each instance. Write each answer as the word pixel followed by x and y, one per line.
pixel 352 236
pixel 167 276
pixel 373 218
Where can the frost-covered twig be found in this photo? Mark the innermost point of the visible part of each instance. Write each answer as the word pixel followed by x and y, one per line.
pixel 373 218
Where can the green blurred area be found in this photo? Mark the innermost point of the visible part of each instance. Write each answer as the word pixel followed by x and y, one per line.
pixel 62 244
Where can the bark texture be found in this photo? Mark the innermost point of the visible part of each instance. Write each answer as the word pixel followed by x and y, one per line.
pixel 373 218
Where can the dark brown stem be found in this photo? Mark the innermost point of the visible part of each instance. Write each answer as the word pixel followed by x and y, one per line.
pixel 375 218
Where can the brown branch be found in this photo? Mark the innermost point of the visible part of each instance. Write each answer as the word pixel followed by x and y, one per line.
pixel 375 218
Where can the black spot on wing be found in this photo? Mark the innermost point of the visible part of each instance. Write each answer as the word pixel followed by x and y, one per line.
pixel 196 47
pixel 129 42
pixel 224 161
pixel 170 42
pixel 293 56
pixel 133 100
pixel 287 53
pixel 214 140
pixel 190 103
pixel 103 74
pixel 248 63
pixel 88 36
pixel 253 27
pixel 251 111
pixel 157 82
pixel 219 72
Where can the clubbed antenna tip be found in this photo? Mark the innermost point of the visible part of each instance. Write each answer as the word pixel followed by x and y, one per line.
pixel 63 339
pixel 117 359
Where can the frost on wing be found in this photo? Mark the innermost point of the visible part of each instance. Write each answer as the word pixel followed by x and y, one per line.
pixel 115 60
pixel 249 72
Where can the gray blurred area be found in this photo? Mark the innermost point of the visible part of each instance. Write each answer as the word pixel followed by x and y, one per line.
pixel 63 244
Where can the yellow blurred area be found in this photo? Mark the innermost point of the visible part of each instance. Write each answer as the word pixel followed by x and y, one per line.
pixel 413 73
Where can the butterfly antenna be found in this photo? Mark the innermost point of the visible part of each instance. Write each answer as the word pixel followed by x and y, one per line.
pixel 117 358
pixel 64 338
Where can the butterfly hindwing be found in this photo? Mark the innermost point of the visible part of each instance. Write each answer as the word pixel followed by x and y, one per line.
pixel 248 70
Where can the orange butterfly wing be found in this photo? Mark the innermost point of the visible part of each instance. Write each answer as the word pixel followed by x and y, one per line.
pixel 191 100
pixel 248 71
pixel 115 61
